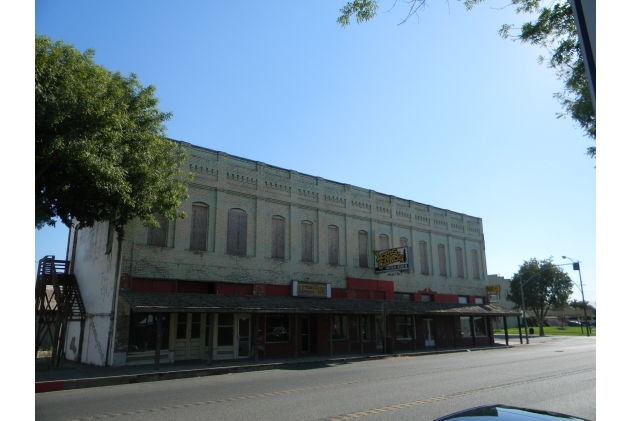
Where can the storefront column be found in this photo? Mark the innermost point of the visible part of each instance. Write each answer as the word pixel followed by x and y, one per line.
pixel 158 318
pixel 453 322
pixel 505 330
pixel 255 332
pixel 211 334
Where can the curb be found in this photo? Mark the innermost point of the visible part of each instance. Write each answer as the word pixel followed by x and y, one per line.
pixel 59 385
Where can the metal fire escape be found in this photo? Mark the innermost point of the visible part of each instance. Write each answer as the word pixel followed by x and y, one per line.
pixel 57 303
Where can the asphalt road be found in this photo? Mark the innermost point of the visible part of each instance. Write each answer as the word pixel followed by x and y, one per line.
pixel 553 373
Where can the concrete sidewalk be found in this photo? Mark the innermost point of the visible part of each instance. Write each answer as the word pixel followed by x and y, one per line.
pixel 71 375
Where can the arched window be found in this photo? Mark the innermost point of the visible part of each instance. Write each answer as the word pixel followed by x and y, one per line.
pixel 442 260
pixel 459 262
pixel 334 245
pixel 199 227
pixel 278 237
pixel 363 249
pixel 237 232
pixel 403 242
pixel 157 236
pixel 384 242
pixel 424 258
pixel 476 264
pixel 307 241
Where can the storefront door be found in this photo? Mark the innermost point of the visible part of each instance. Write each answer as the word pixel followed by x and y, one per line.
pixel 429 332
pixel 188 335
pixel 304 332
pixel 379 332
pixel 243 336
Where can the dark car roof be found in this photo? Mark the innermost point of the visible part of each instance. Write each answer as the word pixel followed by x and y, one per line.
pixel 506 413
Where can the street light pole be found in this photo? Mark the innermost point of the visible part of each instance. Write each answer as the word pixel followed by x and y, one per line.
pixel 576 265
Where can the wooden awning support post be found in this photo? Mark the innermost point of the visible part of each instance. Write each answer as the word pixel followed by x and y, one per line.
pixel 521 340
pixel 505 329
pixel 455 331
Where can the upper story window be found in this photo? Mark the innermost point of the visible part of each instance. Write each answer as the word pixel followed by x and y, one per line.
pixel 459 263
pixel 476 264
pixel 479 300
pixel 307 241
pixel 403 242
pixel 424 258
pixel 363 249
pixel 237 231
pixel 157 236
pixel 334 245
pixel 462 299
pixel 199 227
pixel 442 260
pixel 278 237
pixel 384 242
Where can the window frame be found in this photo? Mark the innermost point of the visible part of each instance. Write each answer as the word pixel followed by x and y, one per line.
pixel 424 258
pixel 459 263
pixel 465 329
pixel 237 232
pixel 334 245
pixel 406 322
pixel 306 243
pixel 278 237
pixel 442 260
pixel 195 239
pixel 342 321
pixel 363 251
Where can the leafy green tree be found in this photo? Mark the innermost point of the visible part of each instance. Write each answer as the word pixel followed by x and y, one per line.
pixel 100 148
pixel 545 286
pixel 554 29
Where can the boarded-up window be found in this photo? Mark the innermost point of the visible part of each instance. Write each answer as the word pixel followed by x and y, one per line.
pixel 403 242
pixel 199 227
pixel 307 242
pixel 476 264
pixel 363 249
pixel 459 262
pixel 237 231
pixel 334 245
pixel 424 259
pixel 158 235
pixel 442 260
pixel 278 237
pixel 383 242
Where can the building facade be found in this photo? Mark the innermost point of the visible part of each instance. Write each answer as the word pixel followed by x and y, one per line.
pixel 272 262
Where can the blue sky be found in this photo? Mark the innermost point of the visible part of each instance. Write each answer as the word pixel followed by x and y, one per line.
pixel 440 110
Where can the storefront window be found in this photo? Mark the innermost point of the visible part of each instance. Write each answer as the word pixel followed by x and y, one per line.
pixel 225 329
pixel 404 327
pixel 479 326
pixel 339 327
pixel 142 332
pixel 365 328
pixel 465 327
pixel 276 328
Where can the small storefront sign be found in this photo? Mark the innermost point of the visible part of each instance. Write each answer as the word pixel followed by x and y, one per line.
pixel 391 260
pixel 310 289
pixel 492 288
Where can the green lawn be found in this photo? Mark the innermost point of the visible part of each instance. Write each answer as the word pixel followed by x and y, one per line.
pixel 550 331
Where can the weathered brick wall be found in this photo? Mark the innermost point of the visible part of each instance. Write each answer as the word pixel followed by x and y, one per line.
pixel 223 182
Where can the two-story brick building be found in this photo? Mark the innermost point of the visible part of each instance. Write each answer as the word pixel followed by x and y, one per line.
pixel 272 262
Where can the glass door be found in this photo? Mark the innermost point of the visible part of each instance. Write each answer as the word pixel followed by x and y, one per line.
pixel 243 336
pixel 429 332
pixel 379 332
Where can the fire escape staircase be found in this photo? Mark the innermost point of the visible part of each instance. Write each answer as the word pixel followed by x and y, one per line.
pixel 57 303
